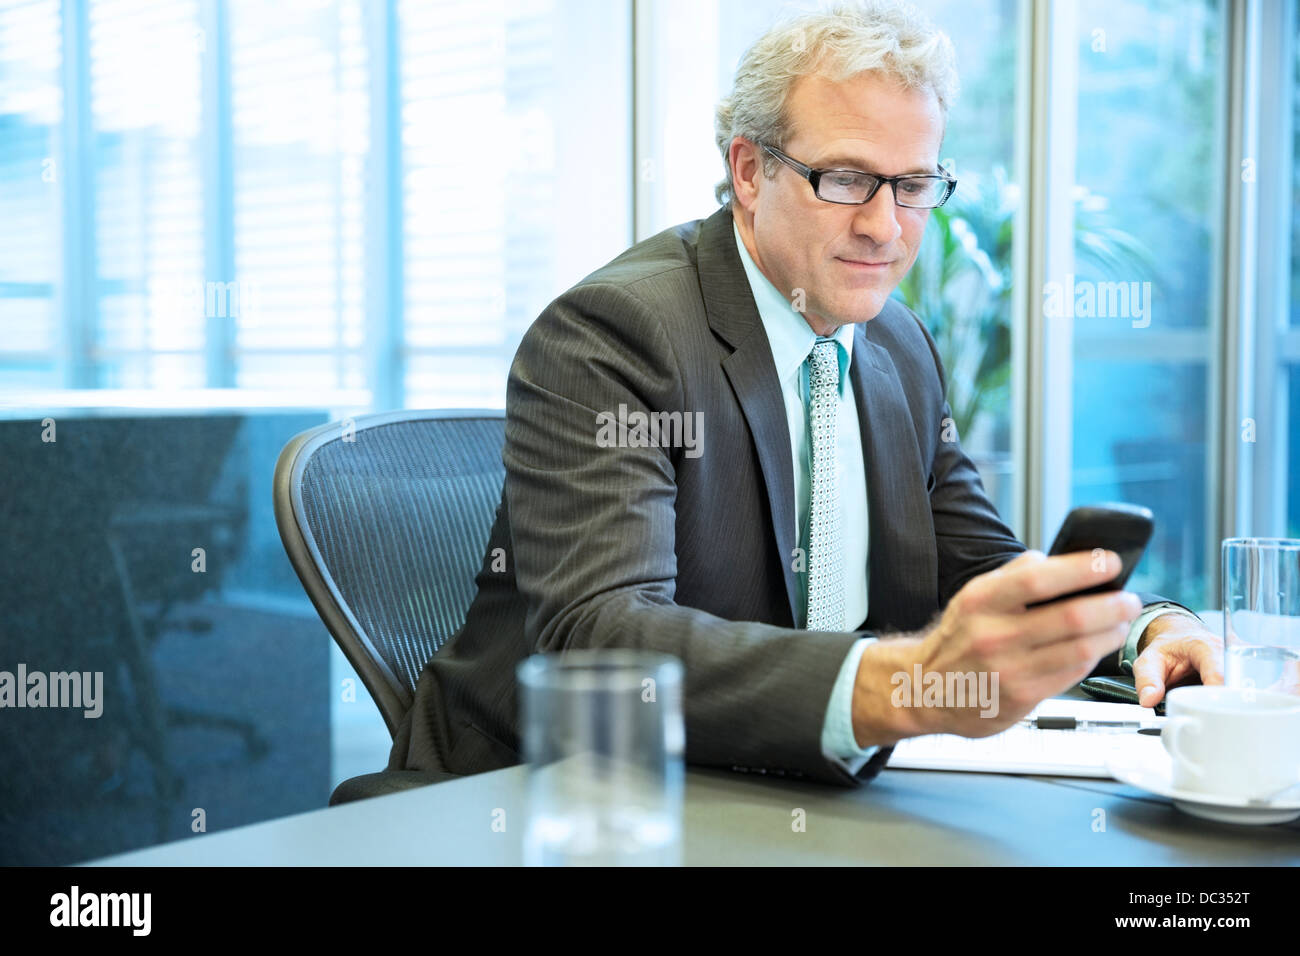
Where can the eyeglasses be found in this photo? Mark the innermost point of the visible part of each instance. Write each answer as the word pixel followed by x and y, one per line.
pixel 853 187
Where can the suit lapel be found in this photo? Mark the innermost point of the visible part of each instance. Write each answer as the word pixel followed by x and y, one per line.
pixel 898 506
pixel 733 316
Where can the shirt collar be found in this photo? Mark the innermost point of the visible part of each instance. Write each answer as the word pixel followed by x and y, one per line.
pixel 788 332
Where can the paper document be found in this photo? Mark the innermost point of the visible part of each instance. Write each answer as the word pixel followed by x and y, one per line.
pixel 1020 749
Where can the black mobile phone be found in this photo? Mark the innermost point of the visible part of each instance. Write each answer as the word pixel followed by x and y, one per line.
pixel 1115 690
pixel 1113 526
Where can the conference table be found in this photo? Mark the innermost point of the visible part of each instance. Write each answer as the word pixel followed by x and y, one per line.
pixel 903 817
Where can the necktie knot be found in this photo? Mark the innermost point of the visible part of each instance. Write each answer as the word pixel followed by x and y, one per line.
pixel 824 362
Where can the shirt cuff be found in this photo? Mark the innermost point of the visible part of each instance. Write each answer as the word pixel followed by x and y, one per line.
pixel 1138 626
pixel 838 743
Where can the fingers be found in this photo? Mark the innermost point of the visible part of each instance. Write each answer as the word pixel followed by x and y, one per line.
pixel 1034 577
pixel 1207 661
pixel 1028 556
pixel 1054 670
pixel 1082 615
pixel 1073 659
pixel 1151 671
pixel 1167 663
pixel 1160 666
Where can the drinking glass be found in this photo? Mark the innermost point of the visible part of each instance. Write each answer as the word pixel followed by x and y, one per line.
pixel 604 739
pixel 1261 613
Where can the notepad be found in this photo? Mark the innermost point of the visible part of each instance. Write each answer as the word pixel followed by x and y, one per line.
pixel 1028 750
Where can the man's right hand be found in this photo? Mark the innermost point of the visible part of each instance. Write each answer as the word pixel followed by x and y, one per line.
pixel 986 629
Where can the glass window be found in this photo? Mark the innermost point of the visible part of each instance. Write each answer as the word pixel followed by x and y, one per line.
pixel 31 109
pixel 298 147
pixel 515 130
pixel 1294 35
pixel 1291 338
pixel 145 107
pixel 1140 294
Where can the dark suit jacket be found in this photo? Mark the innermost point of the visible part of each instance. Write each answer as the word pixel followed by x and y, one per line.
pixel 652 548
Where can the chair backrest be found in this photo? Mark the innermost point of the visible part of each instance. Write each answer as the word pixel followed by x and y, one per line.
pixel 385 520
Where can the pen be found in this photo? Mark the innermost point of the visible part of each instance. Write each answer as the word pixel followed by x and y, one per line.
pixel 1073 723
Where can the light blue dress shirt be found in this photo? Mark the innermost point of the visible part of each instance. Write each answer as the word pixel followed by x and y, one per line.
pixel 791 340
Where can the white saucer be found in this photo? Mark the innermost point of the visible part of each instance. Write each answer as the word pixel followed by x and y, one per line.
pixel 1150 768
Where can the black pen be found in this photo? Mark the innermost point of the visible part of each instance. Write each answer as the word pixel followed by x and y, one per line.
pixel 1074 723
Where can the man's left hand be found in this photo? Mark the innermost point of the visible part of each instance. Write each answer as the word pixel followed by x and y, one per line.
pixel 1173 647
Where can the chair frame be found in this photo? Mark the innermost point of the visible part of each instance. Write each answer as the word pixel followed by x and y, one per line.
pixel 389 692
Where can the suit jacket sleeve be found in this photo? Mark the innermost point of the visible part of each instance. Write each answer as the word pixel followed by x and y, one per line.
pixel 594 537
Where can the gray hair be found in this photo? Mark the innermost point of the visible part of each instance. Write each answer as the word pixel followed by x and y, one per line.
pixel 887 37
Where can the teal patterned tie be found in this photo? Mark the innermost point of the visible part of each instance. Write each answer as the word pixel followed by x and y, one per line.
pixel 825 526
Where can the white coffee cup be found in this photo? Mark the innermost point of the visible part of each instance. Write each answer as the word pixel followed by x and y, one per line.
pixel 1233 741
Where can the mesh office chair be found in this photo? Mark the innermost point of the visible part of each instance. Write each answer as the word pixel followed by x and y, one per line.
pixel 385 521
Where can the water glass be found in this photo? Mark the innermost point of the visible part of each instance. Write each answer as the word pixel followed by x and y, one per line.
pixel 604 739
pixel 1261 613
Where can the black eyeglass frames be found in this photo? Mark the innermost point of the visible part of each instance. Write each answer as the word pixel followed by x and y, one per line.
pixel 853 187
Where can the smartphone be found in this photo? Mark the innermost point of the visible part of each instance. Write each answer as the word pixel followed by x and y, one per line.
pixel 1116 690
pixel 1113 526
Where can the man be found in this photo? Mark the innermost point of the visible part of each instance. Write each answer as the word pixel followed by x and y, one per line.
pixel 817 505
